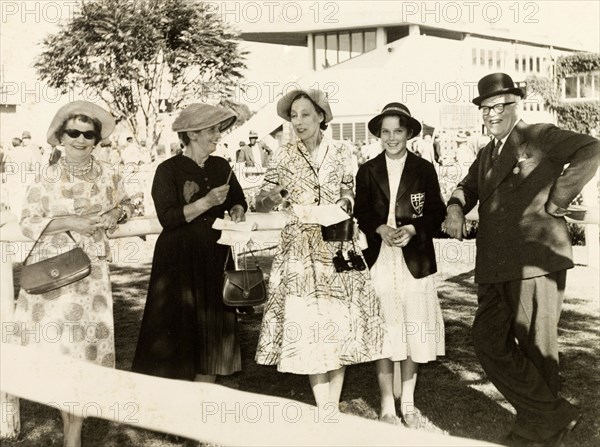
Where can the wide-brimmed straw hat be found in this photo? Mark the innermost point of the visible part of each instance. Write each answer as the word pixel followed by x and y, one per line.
pixel 284 105
pixel 200 116
pixel 86 108
pixel 394 109
pixel 496 84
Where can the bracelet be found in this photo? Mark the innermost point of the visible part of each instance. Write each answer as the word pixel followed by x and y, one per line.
pixel 122 213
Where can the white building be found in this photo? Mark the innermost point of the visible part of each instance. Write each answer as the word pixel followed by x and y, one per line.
pixel 377 57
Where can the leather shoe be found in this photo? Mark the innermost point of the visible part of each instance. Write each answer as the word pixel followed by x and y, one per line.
pixel 557 439
pixel 413 419
pixel 390 419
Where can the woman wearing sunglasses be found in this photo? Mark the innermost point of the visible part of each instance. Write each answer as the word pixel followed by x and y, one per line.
pixel 76 201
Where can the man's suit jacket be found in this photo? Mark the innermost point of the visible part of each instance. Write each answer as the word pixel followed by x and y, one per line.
pixel 249 155
pixel 418 202
pixel 516 237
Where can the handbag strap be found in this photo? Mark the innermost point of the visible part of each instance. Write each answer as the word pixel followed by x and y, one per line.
pixel 37 240
pixel 245 257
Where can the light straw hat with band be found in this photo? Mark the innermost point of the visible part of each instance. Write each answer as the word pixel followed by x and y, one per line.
pixel 284 105
pixel 86 108
pixel 200 116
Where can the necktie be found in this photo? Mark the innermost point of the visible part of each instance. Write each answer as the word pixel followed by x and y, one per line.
pixel 496 151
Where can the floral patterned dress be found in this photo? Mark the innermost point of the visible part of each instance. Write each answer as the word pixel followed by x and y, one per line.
pixel 76 319
pixel 315 319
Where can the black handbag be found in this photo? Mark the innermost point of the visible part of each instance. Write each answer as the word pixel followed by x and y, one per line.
pixel 55 272
pixel 246 287
pixel 339 232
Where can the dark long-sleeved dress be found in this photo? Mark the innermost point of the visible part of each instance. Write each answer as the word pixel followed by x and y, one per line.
pixel 186 328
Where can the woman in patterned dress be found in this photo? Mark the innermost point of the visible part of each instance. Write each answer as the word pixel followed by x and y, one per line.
pixel 316 321
pixel 86 198
pixel 187 332
pixel 399 207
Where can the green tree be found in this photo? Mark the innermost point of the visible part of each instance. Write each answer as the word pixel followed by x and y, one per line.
pixel 135 54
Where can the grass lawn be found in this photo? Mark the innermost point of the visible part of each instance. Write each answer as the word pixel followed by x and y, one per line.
pixel 453 393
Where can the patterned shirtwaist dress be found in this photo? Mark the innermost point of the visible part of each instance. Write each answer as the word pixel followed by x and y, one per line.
pixel 76 319
pixel 315 319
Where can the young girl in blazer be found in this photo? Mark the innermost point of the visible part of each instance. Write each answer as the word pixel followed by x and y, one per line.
pixel 399 208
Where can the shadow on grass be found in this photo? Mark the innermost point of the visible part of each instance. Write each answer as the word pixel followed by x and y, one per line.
pixel 453 392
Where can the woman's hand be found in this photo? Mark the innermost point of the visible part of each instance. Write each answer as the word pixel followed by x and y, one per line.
pixel 404 234
pixel 267 200
pixel 86 226
pixel 396 237
pixel 237 214
pixel 216 196
pixel 387 234
pixel 109 220
pixel 346 205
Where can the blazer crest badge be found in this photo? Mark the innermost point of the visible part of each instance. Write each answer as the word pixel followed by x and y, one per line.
pixel 417 201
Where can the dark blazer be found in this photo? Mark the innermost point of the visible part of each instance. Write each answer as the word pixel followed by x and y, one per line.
pixel 426 212
pixel 516 237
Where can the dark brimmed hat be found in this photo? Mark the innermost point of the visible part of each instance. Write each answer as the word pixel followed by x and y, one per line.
pixel 496 84
pixel 200 116
pixel 26 134
pixel 394 109
pixel 86 108
pixel 284 105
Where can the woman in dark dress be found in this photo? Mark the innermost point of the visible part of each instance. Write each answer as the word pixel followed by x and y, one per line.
pixel 187 332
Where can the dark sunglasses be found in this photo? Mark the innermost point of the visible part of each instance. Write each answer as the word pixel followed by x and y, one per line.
pixel 74 133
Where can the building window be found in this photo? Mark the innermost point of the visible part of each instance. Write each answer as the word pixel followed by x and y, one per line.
pixel 498 59
pixel 482 58
pixel 524 63
pixel 319 50
pixel 517 63
pixel 474 55
pixel 344 47
pixel 583 85
pixel 333 48
pixel 370 41
pixel 335 131
pixel 537 64
pixel 347 131
pixel 357 44
pixel 490 58
pixel 360 132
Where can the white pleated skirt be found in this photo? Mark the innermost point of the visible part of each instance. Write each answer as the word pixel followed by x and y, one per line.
pixel 411 309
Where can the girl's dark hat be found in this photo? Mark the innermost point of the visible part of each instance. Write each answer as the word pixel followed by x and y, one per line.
pixel 394 109
pixel 284 105
pixel 201 116
pixel 496 84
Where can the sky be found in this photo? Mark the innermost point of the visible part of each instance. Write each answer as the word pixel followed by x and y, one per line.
pixel 25 24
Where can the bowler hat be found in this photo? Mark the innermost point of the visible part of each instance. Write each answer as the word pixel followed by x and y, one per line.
pixel 86 108
pixel 496 84
pixel 252 134
pixel 25 134
pixel 284 105
pixel 394 109
pixel 200 116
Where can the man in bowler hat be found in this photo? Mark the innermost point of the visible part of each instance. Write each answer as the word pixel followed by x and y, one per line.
pixel 523 252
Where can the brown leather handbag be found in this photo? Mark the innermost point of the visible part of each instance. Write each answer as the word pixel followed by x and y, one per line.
pixel 55 272
pixel 244 287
